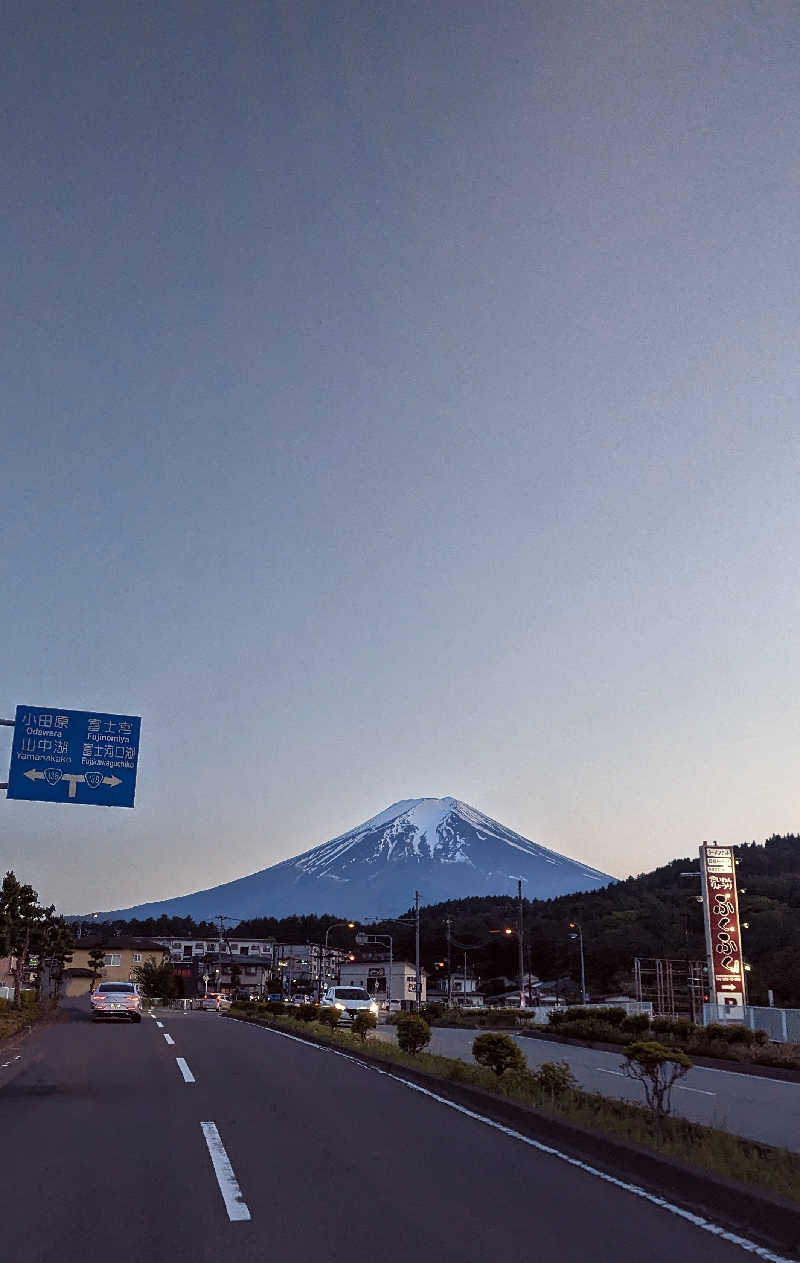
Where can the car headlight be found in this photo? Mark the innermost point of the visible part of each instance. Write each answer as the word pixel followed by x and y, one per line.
pixel 373 1008
pixel 337 1004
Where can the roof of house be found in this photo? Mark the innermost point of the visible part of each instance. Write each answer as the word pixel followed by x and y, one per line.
pixel 119 943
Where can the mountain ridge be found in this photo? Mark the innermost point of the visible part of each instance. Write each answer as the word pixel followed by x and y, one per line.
pixel 442 846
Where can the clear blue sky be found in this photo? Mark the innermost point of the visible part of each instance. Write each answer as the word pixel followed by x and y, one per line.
pixel 401 399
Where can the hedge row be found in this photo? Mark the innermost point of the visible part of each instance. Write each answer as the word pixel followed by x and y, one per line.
pixel 731 1043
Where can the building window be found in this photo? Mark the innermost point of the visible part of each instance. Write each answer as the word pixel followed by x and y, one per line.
pixel 176 944
pixel 234 947
pixel 112 960
pixel 137 958
pixel 187 952
pixel 211 947
pixel 244 951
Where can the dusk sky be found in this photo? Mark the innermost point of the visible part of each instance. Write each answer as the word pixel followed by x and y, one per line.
pixel 400 399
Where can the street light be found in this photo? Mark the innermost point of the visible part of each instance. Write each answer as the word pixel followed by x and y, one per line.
pixel 573 925
pixel 340 925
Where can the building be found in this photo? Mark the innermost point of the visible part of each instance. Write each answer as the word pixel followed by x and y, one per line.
pixel 252 965
pixel 122 954
pixel 374 977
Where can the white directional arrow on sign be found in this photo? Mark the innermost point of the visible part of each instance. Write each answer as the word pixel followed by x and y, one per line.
pixel 74 779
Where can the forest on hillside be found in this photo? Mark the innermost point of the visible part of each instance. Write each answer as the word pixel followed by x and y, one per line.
pixel 653 914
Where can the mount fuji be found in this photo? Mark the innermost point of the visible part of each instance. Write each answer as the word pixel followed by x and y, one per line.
pixel 441 847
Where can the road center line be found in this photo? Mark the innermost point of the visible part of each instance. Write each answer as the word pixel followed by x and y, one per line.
pixel 168 1038
pixel 707 1225
pixel 160 1025
pixel 603 1070
pixel 228 1184
pixel 682 1088
pixel 188 1077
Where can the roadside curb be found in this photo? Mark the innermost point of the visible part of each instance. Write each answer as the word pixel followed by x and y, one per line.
pixel 772 1221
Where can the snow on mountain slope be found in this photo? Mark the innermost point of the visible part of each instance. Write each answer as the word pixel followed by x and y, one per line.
pixel 442 847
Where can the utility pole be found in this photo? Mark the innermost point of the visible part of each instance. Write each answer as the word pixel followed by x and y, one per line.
pixel 575 925
pixel 448 923
pixel 419 972
pixel 520 946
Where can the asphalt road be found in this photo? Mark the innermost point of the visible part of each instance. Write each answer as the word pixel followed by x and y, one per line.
pixel 748 1105
pixel 260 1148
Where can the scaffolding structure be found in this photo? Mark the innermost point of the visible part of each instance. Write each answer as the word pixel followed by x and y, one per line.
pixel 675 988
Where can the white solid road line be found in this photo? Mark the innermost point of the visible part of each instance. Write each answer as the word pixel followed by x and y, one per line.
pixel 160 1024
pixel 228 1185
pixel 707 1225
pixel 168 1038
pixel 680 1086
pixel 188 1077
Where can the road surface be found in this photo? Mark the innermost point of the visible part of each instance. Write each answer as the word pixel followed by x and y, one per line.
pixel 760 1108
pixel 194 1138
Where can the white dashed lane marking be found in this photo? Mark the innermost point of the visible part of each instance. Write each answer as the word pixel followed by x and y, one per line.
pixel 188 1077
pixel 228 1184
pixel 168 1038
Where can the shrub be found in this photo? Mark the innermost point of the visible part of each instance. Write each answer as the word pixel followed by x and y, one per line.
pixel 508 1018
pixel 276 1007
pixel 413 1033
pixel 432 1011
pixel 677 1026
pixel 580 1013
pixel 592 1031
pixel 328 1016
pixel 727 1034
pixel 363 1023
pixel 497 1053
pixel 307 1013
pixel 556 1078
pixel 635 1024
pixel 656 1068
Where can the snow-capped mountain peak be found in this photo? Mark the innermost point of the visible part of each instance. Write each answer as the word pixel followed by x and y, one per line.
pixel 442 847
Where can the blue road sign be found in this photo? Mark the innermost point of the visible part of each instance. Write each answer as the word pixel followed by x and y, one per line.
pixel 74 756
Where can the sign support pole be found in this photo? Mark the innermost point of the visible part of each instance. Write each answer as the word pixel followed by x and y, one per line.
pixel 6 723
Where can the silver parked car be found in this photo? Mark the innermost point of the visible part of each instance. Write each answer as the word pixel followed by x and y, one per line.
pixel 116 1000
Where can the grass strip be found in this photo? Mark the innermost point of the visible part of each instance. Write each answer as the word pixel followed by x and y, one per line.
pixel 707 1148
pixel 12 1021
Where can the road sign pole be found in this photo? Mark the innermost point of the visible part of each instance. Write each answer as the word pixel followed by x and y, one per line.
pixel 6 723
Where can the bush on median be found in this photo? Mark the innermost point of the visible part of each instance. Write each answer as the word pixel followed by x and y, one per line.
pixel 498 1053
pixel 413 1033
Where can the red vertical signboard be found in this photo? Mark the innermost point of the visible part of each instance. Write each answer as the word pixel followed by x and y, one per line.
pixel 723 934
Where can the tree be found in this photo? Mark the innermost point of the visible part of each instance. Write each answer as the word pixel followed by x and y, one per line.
pixel 156 979
pixel 97 960
pixel 57 952
pixel 498 1053
pixel 23 922
pixel 413 1033
pixel 657 1068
